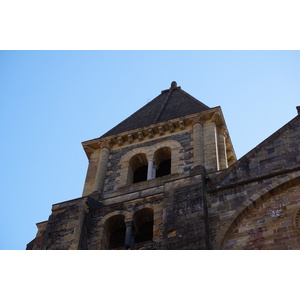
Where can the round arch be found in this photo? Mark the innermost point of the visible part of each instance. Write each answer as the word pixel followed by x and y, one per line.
pixel 163 159
pixel 256 200
pixel 143 220
pixel 114 230
pixel 148 152
pixel 105 226
pixel 137 168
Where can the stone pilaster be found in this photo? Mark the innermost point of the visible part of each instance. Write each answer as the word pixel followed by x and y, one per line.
pixel 102 166
pixel 222 148
pixel 211 147
pixel 198 142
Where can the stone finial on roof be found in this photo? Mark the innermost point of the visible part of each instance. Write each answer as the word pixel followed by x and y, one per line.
pixel 173 84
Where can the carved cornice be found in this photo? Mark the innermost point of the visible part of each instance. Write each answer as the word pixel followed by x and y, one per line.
pixel 120 140
pixel 171 127
pixel 223 130
pixel 140 135
pixel 88 150
pixel 156 131
pixel 130 138
pixel 181 124
pixel 153 131
pixel 161 130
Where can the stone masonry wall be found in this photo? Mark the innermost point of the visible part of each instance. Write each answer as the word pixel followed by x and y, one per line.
pixel 251 205
pixel 63 228
pixel 270 225
pixel 268 170
pixel 184 218
pixel 114 167
pixel 177 202
pixel 277 154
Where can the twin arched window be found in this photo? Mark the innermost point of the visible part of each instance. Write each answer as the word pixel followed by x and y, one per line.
pixel 142 169
pixel 116 230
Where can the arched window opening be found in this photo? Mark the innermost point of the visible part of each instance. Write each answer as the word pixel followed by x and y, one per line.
pixel 143 223
pixel 164 168
pixel 140 174
pixel 163 161
pixel 138 167
pixel 114 231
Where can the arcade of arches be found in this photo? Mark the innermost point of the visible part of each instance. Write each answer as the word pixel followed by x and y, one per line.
pixel 119 234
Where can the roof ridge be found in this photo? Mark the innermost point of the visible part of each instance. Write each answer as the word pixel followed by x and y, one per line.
pixel 163 106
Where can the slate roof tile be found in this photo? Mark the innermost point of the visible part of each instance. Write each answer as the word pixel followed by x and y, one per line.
pixel 170 104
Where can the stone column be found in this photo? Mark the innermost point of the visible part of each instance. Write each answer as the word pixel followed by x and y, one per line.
pixel 150 168
pixel 102 166
pixel 154 172
pixel 211 148
pixel 198 142
pixel 222 148
pixel 128 234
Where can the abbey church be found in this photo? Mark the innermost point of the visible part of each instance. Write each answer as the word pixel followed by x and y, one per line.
pixel 167 178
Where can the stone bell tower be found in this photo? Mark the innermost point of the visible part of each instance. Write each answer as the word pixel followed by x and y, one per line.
pixel 145 186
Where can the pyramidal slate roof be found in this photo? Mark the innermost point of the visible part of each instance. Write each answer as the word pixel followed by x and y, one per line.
pixel 170 104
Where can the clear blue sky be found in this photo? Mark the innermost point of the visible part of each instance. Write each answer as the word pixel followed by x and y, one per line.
pixel 51 101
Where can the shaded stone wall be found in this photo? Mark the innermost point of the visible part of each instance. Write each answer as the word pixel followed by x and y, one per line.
pixel 184 219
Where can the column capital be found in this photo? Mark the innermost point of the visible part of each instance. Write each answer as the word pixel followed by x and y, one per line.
pixel 102 166
pixel 216 118
pixel 105 144
pixel 128 223
pixel 197 120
